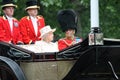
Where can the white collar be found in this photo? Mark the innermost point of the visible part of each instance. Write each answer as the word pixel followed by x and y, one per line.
pixel 9 18
pixel 33 18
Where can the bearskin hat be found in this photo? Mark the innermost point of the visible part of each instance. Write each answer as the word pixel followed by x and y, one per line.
pixel 67 19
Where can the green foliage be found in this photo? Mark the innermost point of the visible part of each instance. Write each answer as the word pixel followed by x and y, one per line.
pixel 48 3
pixel 109 18
pixel 109 15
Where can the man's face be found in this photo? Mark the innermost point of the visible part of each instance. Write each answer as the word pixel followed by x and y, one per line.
pixel 9 11
pixel 70 33
pixel 32 12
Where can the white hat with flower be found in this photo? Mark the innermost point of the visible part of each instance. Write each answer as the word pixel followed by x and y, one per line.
pixel 46 30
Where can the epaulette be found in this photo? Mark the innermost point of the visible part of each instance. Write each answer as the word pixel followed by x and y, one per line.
pixel 39 16
pixel 14 18
pixel 26 17
pixel 4 17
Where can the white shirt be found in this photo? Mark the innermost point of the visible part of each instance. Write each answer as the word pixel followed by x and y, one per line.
pixel 10 20
pixel 34 22
pixel 47 47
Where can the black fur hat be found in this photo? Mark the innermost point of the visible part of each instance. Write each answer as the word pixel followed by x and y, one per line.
pixel 67 19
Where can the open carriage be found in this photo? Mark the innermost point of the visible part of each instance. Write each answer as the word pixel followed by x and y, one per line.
pixel 78 62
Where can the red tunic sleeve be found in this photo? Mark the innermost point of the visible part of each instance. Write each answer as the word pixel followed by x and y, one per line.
pixel 61 44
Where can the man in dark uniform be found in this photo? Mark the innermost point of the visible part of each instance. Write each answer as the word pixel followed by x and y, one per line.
pixel 68 22
pixel 9 26
pixel 30 25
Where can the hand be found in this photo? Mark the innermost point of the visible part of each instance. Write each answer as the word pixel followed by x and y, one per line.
pixel 32 42
pixel 74 42
pixel 20 43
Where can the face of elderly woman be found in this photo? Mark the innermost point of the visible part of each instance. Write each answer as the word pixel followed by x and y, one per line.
pixel 48 37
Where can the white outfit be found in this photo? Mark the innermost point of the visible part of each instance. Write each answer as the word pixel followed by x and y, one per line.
pixel 47 47
pixel 10 20
pixel 34 22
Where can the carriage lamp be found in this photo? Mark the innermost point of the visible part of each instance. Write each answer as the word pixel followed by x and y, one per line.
pixel 95 36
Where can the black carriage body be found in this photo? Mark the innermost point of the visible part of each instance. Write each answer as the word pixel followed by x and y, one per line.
pixel 100 62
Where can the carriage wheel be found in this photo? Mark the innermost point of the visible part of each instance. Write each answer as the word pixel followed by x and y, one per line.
pixel 6 72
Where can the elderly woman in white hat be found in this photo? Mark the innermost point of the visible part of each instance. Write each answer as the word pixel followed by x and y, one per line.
pixel 46 44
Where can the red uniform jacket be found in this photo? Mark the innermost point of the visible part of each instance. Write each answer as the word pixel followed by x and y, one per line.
pixel 5 32
pixel 64 43
pixel 27 29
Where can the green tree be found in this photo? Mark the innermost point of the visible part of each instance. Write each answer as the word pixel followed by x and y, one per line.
pixel 109 15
